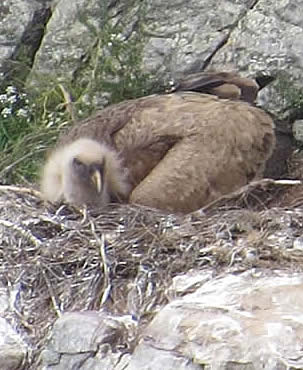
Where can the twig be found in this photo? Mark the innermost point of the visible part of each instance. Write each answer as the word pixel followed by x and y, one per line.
pixel 68 103
pixel 22 231
pixel 247 189
pixel 288 182
pixel 19 189
pixel 106 269
pixel 51 291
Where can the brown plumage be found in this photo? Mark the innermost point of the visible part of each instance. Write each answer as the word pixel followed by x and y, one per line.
pixel 181 150
pixel 226 85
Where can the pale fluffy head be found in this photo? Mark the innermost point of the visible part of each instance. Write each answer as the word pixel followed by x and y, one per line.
pixel 84 172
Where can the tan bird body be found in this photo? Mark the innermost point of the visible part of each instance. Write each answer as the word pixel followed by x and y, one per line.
pixel 181 150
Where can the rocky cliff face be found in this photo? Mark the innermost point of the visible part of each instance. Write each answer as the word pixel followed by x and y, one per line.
pixel 177 37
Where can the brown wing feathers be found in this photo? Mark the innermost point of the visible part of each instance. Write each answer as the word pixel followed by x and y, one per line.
pixel 226 85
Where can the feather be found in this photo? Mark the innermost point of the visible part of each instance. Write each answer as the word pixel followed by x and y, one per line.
pixel 226 85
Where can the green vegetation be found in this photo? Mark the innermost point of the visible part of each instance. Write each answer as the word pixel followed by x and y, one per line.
pixel 113 63
pixel 31 119
pixel 27 129
pixel 291 94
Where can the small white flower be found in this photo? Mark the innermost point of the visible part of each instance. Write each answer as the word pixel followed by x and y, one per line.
pixel 11 89
pixel 120 37
pixel 22 112
pixel 12 99
pixel 6 112
pixel 3 98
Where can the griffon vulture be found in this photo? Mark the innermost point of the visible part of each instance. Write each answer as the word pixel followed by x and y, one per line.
pixel 175 152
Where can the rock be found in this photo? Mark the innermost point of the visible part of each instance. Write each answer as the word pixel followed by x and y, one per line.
pixel 20 40
pixel 87 340
pixel 12 348
pixel 297 129
pixel 245 321
pixel 148 357
pixel 12 11
pixel 182 38
pixel 4 300
pixel 266 38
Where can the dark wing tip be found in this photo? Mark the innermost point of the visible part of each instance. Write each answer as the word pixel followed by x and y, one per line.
pixel 263 80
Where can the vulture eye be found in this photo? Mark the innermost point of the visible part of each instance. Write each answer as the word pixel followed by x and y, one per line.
pixel 77 163
pixel 79 167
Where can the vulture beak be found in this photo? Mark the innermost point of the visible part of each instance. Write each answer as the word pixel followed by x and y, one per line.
pixel 97 180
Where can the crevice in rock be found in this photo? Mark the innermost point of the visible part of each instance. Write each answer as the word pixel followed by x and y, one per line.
pixel 253 4
pixel 219 43
pixel 18 65
pixel 210 53
pixel 243 14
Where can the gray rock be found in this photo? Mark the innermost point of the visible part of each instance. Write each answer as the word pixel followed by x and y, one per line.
pixel 22 26
pixel 148 357
pixel 267 38
pixel 184 35
pixel 297 129
pixel 12 348
pixel 87 340
pixel 246 321
pixel 66 39
pixel 14 16
pixel 179 37
pixel 4 302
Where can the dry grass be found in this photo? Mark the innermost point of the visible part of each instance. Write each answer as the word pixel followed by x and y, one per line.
pixel 56 259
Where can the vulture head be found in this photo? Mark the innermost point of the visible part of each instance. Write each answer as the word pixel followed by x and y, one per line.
pixel 84 172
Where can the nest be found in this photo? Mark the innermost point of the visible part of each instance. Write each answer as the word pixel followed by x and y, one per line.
pixel 56 259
